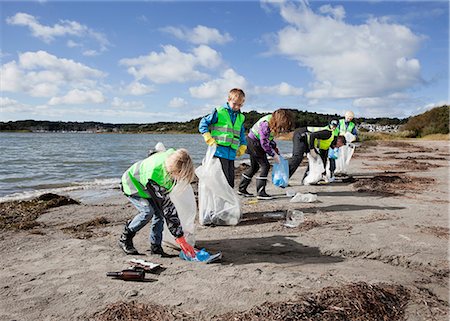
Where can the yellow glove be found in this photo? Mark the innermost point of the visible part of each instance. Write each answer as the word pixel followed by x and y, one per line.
pixel 208 139
pixel 241 150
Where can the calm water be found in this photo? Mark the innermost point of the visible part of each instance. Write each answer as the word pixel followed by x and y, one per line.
pixel 33 163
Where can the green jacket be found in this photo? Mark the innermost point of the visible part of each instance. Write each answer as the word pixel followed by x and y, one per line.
pixel 224 131
pixel 135 178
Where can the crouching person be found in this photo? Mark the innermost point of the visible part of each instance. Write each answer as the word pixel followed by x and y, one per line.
pixel 147 184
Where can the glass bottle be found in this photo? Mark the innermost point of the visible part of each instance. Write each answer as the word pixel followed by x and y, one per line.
pixel 128 275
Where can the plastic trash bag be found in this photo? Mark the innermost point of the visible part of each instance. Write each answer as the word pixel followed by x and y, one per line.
pixel 304 198
pixel 333 153
pixel 345 154
pixel 280 173
pixel 182 196
pixel 218 203
pixel 316 168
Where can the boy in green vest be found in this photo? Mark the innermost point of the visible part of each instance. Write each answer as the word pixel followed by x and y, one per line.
pixel 147 184
pixel 224 127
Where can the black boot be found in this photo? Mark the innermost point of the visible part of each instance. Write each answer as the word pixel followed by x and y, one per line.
pixel 126 241
pixel 261 189
pixel 245 181
pixel 157 249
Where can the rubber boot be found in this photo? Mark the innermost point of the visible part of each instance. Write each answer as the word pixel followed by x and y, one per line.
pixel 126 241
pixel 261 189
pixel 157 249
pixel 245 181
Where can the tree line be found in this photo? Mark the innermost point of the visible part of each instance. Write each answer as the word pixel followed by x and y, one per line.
pixel 435 120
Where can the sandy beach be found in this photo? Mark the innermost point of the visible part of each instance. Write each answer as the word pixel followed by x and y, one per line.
pixel 387 228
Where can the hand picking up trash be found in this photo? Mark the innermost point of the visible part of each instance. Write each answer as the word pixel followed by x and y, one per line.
pixel 202 256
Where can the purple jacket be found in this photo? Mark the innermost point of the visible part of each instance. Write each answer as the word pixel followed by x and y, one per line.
pixel 264 133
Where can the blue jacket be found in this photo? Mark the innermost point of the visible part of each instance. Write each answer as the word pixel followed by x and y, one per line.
pixel 222 151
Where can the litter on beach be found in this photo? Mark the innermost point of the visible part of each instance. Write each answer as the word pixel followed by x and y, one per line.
pixel 304 198
pixel 145 265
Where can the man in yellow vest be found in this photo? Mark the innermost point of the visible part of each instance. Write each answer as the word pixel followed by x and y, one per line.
pixel 313 140
pixel 224 127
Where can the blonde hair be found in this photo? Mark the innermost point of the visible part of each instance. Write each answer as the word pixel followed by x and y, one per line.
pixel 282 120
pixel 180 167
pixel 236 94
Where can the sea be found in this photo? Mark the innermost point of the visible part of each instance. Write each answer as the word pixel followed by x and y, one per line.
pixel 84 166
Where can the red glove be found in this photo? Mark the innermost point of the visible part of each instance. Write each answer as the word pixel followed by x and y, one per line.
pixel 185 247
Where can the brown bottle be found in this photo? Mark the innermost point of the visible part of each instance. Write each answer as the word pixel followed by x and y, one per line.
pixel 128 275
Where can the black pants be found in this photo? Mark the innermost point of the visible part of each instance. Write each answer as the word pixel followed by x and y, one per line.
pixel 228 170
pixel 332 166
pixel 299 148
pixel 258 159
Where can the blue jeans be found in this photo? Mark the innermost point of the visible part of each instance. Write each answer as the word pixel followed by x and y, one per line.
pixel 147 211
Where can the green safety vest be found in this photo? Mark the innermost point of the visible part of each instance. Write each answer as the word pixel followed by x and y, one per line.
pixel 321 143
pixel 342 130
pixel 224 131
pixel 255 127
pixel 135 178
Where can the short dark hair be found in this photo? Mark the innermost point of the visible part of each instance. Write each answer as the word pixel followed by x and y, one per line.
pixel 342 139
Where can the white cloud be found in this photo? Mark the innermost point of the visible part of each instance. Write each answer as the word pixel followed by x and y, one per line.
pixel 177 102
pixel 432 105
pixel 337 12
pixel 199 35
pixel 78 97
pixel 393 105
pixel 172 65
pixel 41 74
pixel 136 89
pixel 64 28
pixel 120 103
pixel 217 89
pixel 8 105
pixel 282 89
pixel 348 61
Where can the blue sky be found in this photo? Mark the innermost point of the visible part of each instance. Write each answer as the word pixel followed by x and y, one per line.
pixel 149 61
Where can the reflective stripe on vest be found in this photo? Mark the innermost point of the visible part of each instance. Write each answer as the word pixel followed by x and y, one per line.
pixel 135 178
pixel 224 131
pixel 342 130
pixel 255 127
pixel 321 143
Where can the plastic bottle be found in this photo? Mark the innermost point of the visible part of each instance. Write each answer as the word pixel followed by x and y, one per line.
pixel 128 275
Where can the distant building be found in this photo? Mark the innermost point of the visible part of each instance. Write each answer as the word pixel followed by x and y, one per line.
pixel 379 128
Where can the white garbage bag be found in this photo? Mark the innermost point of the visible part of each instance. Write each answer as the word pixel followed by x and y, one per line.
pixel 217 202
pixel 182 196
pixel 345 154
pixel 316 168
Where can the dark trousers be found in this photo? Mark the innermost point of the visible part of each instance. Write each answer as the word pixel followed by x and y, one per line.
pixel 299 148
pixel 332 166
pixel 228 170
pixel 258 159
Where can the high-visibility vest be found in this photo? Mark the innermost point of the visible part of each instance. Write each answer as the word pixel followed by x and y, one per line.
pixel 135 178
pixel 342 130
pixel 321 143
pixel 224 131
pixel 255 127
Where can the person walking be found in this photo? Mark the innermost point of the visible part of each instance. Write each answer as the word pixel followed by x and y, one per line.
pixel 147 184
pixel 261 143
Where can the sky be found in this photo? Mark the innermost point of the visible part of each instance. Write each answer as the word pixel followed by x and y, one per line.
pixel 151 61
